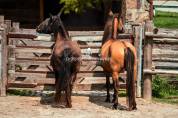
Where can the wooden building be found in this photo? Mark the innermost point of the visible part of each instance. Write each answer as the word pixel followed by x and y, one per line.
pixel 31 12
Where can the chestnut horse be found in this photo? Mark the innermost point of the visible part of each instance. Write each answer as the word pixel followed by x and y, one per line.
pixel 65 59
pixel 118 55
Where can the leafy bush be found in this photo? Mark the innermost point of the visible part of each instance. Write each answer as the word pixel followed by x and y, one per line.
pixel 161 88
pixel 79 5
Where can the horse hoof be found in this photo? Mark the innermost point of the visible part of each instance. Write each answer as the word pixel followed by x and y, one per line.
pixel 134 108
pixel 115 107
pixel 113 100
pixel 68 106
pixel 107 100
pixel 58 106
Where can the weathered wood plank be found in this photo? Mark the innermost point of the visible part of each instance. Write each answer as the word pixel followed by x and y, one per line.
pixel 3 78
pixel 47 50
pixel 147 81
pixel 165 65
pixel 151 35
pixel 20 35
pixel 165 59
pixel 51 75
pixel 165 51
pixel 160 71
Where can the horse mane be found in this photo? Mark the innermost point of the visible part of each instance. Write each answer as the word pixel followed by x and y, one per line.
pixel 65 32
pixel 108 28
pixel 109 25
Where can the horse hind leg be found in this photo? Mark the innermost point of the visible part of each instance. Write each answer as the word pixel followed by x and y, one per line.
pixel 68 97
pixel 107 88
pixel 115 76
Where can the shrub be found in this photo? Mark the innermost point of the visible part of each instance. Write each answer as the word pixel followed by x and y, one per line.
pixel 161 88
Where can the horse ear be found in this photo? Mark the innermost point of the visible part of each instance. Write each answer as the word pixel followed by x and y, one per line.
pixel 59 14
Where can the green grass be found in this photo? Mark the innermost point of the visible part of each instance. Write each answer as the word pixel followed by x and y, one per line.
pixel 166 20
pixel 164 92
pixel 169 100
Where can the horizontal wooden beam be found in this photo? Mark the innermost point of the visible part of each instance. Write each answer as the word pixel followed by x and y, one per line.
pixel 21 35
pixel 47 47
pixel 49 72
pixel 47 59
pixel 151 35
pixel 51 75
pixel 36 49
pixel 165 59
pixel 32 36
pixel 159 71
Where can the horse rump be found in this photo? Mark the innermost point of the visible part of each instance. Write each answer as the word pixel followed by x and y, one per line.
pixel 130 85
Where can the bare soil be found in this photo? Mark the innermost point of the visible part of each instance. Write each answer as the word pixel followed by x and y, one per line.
pixel 83 107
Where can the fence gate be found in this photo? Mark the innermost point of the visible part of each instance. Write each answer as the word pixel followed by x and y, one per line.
pixel 28 60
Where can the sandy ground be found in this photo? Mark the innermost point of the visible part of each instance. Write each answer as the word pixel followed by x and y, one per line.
pixel 83 107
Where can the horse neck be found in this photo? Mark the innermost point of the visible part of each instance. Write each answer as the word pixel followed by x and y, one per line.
pixel 110 30
pixel 114 28
pixel 59 37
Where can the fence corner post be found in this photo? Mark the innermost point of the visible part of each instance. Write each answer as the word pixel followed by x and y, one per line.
pixel 3 61
pixel 138 31
pixel 148 45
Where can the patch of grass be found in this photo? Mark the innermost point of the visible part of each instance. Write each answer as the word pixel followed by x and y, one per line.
pixel 166 20
pixel 122 94
pixel 162 89
pixel 168 100
pixel 19 92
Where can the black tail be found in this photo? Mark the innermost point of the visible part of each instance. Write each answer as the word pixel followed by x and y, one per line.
pixel 130 88
pixel 65 70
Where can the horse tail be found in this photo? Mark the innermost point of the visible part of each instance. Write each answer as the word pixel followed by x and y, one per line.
pixel 65 71
pixel 129 65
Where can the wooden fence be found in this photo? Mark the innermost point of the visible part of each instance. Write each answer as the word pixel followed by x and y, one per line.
pixel 29 61
pixel 160 57
pixel 25 58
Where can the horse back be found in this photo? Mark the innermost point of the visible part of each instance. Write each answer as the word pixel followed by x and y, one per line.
pixel 62 45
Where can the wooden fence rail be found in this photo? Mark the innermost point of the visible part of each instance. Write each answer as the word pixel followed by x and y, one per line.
pixel 162 56
pixel 29 60
pixel 25 57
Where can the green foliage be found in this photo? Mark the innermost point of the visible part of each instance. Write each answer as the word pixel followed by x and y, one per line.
pixel 79 6
pixel 166 20
pixel 19 92
pixel 167 100
pixel 161 88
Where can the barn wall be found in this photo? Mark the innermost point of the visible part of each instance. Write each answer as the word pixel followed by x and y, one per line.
pixel 27 13
pixel 137 10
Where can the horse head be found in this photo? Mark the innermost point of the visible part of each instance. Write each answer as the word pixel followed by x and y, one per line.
pixel 117 24
pixel 53 24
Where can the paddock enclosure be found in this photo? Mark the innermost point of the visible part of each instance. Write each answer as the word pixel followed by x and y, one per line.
pixel 25 54
pixel 25 57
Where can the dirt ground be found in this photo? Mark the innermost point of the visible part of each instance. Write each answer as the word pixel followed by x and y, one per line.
pixel 84 106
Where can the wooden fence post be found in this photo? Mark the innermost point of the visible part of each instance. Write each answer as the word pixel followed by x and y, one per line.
pixel 8 25
pixel 1 21
pixel 16 26
pixel 138 44
pixel 148 45
pixel 3 82
pixel 11 56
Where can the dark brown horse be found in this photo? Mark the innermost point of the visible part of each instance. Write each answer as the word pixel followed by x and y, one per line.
pixel 65 58
pixel 118 55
